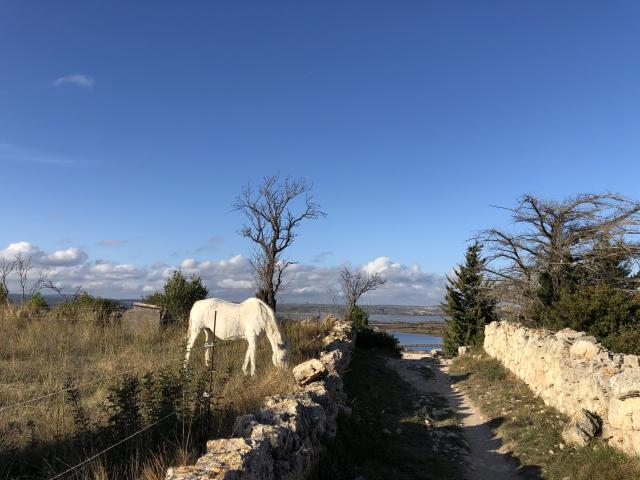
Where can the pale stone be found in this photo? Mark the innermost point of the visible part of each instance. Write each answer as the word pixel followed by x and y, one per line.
pixel 584 348
pixel 626 384
pixel 462 350
pixel 571 372
pixel 631 361
pixel 309 371
pixel 227 457
pixel 287 436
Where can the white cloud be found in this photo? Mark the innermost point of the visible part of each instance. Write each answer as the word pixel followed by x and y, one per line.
pixel 229 278
pixel 78 79
pixel 380 265
pixel 68 257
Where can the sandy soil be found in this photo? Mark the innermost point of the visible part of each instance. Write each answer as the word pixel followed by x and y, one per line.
pixel 484 460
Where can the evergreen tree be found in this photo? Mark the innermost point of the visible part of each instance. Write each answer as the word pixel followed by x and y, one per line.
pixel 467 304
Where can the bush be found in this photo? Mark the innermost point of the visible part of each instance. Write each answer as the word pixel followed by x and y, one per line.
pixel 178 296
pixel 608 313
pixel 359 317
pixel 36 302
pixel 90 308
pixel 4 295
pixel 369 338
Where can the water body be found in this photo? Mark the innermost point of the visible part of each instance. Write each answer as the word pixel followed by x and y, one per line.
pixel 405 318
pixel 413 338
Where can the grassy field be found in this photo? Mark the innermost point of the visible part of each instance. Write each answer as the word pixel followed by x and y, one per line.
pixel 96 384
pixel 386 436
pixel 531 430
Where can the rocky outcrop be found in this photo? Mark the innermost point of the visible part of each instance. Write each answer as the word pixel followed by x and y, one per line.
pixel 582 427
pixel 572 372
pixel 287 435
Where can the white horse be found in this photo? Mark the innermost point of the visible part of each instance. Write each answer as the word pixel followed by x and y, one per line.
pixel 236 320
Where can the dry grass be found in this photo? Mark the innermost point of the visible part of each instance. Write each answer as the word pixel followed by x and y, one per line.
pixel 43 353
pixel 531 430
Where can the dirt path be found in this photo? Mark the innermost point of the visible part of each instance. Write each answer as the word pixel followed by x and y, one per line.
pixel 484 460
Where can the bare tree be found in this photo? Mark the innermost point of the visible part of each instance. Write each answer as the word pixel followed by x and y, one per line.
pixel 357 283
pixel 6 267
pixel 554 240
pixel 22 267
pixel 272 223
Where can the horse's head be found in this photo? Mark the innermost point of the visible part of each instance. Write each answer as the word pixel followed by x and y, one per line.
pixel 280 355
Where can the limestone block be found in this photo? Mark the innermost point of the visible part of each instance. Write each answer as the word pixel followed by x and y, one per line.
pixel 626 384
pixel 585 347
pixel 582 427
pixel 631 361
pixel 319 393
pixel 568 334
pixel 280 442
pixel 237 458
pixel 309 371
pixel 242 425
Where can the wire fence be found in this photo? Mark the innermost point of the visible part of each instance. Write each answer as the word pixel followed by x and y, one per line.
pixel 206 396
pixel 110 447
pixel 119 374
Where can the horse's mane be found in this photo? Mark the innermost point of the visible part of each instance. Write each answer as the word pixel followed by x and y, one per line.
pixel 271 323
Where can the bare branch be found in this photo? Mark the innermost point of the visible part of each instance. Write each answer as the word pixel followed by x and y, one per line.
pixel 273 216
pixel 357 283
pixel 557 237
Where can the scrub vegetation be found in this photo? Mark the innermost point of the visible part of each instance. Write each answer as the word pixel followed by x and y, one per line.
pixel 97 383
pixel 531 431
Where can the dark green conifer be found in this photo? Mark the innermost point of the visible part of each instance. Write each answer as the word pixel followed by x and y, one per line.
pixel 467 304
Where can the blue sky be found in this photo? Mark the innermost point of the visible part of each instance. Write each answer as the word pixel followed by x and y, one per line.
pixel 127 129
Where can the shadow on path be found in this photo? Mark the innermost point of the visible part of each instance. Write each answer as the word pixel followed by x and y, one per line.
pixel 484 458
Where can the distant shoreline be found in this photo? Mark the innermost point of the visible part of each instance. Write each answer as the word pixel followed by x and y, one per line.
pixel 435 328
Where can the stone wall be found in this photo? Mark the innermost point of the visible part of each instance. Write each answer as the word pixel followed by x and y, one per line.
pixel 284 439
pixel 572 372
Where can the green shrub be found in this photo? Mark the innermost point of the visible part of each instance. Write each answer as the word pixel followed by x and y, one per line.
pixel 36 302
pixel 178 296
pixel 370 338
pixel 4 295
pixel 359 317
pixel 90 308
pixel 608 313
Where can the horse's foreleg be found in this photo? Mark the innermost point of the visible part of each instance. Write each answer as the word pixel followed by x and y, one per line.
pixel 246 361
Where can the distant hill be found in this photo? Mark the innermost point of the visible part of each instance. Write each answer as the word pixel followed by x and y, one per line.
pixel 296 308
pixel 314 308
